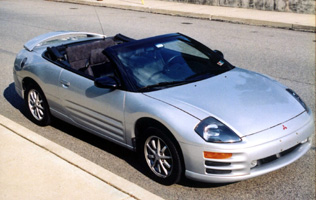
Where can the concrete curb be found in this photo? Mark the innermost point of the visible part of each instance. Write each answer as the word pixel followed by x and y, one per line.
pixel 87 166
pixel 222 18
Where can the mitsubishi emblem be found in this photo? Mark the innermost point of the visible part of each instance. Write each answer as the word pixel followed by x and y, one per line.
pixel 284 127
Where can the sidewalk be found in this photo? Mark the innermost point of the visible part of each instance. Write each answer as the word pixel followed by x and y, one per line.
pixel 286 20
pixel 32 167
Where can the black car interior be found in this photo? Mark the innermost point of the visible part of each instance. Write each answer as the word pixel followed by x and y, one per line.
pixel 87 57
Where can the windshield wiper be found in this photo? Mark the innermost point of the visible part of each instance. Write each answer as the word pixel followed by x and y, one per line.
pixel 162 85
pixel 200 76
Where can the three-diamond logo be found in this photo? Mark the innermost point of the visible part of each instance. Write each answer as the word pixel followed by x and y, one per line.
pixel 284 127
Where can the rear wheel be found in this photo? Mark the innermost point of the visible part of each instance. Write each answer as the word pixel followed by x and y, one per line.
pixel 161 157
pixel 37 105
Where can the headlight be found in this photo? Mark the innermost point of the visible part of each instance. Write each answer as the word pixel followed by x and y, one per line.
pixel 297 98
pixel 212 130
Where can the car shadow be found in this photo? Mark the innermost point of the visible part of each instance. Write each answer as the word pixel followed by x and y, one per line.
pixel 128 156
pixel 14 99
pixel 196 184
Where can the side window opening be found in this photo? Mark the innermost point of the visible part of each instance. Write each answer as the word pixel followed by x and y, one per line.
pixel 83 58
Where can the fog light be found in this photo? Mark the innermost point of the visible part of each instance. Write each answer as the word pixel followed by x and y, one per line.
pixel 215 155
pixel 253 163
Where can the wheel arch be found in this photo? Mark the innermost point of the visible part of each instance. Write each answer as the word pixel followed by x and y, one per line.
pixel 45 119
pixel 143 123
pixel 27 81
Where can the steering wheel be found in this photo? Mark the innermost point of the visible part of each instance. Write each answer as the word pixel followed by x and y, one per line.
pixel 173 58
pixel 167 67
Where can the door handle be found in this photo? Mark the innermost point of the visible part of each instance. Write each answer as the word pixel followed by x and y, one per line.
pixel 64 84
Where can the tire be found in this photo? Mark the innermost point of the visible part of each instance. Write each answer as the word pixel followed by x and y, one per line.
pixel 160 157
pixel 37 106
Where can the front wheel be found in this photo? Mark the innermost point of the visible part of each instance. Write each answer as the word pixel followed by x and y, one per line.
pixel 161 157
pixel 37 105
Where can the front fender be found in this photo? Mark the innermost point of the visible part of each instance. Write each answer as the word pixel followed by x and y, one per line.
pixel 178 122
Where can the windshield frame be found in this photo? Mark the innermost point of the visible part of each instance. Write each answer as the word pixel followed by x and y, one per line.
pixel 115 51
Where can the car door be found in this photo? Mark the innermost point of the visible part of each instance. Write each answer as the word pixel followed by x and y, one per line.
pixel 97 110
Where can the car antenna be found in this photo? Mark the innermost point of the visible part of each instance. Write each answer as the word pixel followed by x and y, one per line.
pixel 99 19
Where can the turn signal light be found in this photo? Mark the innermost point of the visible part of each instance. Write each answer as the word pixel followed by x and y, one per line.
pixel 215 155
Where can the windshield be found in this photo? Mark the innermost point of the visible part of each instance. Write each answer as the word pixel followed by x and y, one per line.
pixel 158 65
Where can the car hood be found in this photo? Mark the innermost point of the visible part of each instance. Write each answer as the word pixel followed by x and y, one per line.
pixel 245 101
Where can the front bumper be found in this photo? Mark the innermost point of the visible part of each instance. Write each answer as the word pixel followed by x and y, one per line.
pixel 269 155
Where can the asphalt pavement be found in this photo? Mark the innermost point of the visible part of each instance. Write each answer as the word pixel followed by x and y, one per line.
pixel 286 20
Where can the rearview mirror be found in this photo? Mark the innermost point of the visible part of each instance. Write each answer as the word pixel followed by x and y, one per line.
pixel 106 82
pixel 218 52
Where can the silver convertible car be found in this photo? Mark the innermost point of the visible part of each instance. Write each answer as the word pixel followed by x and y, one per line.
pixel 181 105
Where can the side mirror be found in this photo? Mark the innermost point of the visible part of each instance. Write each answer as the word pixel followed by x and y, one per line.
pixel 106 82
pixel 218 52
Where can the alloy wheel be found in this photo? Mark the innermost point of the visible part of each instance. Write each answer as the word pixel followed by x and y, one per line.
pixel 158 156
pixel 35 103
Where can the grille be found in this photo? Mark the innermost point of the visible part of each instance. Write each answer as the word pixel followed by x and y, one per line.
pixel 216 171
pixel 275 157
pixel 212 163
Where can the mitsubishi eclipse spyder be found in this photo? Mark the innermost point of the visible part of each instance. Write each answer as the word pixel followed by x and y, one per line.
pixel 184 108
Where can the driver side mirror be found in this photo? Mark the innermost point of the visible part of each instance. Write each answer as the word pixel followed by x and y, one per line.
pixel 218 52
pixel 106 82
